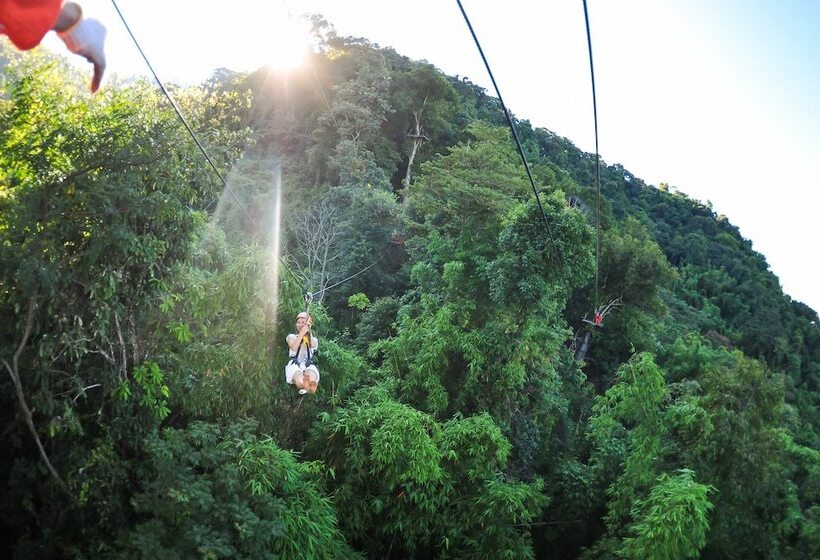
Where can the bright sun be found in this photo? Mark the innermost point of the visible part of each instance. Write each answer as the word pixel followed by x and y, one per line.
pixel 288 46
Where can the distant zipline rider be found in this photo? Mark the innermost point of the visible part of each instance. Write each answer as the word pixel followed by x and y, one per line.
pixel 27 21
pixel 602 312
pixel 300 370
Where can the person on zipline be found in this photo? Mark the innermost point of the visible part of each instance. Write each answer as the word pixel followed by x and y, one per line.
pixel 27 21
pixel 300 370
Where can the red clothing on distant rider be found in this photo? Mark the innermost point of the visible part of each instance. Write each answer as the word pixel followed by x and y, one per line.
pixel 27 21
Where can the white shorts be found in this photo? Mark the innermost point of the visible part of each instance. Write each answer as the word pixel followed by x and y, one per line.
pixel 292 368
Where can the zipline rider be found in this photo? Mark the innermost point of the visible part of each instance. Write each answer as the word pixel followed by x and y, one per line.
pixel 300 370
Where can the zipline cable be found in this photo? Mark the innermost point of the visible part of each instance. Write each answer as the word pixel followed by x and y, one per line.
pixel 365 269
pixel 181 117
pixel 515 134
pixel 597 163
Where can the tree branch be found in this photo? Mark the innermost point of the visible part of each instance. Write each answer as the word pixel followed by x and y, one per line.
pixel 134 345
pixel 122 346
pixel 15 378
pixel 108 358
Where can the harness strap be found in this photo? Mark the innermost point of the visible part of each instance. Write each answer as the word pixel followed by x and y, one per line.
pixel 295 358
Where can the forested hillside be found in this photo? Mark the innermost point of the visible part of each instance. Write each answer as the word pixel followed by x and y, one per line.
pixel 467 406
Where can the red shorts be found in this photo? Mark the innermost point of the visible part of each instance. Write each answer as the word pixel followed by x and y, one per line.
pixel 27 21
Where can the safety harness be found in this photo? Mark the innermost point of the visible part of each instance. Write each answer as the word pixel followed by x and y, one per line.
pixel 295 358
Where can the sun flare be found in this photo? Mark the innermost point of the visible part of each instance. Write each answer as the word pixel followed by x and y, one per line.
pixel 288 46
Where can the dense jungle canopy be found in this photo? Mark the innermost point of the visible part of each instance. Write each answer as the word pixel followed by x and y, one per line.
pixel 465 409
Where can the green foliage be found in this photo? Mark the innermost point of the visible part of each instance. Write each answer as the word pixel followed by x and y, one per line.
pixel 672 522
pixel 635 400
pixel 743 458
pixel 633 271
pixel 405 482
pixel 486 320
pixel 634 267
pixel 465 194
pixel 232 365
pixel 155 393
pixel 377 322
pixel 225 493
pixel 638 430
pixel 418 89
pixel 99 198
pixel 806 477
pixel 349 128
pixel 358 301
pixel 530 260
pixel 371 218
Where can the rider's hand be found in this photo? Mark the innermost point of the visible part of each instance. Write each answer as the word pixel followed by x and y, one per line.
pixel 87 39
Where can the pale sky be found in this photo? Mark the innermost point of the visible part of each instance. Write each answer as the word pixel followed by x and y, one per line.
pixel 719 99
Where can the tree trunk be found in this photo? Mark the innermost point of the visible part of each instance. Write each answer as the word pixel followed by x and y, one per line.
pixel 418 138
pixel 581 354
